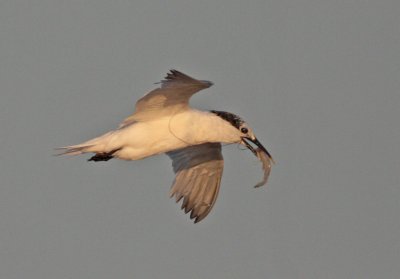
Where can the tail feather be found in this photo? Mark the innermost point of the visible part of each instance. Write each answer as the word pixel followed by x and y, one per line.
pixel 73 149
pixel 96 145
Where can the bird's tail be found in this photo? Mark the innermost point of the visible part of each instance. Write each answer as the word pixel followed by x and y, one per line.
pixel 96 145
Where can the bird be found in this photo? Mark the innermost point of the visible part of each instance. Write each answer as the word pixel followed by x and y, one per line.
pixel 164 122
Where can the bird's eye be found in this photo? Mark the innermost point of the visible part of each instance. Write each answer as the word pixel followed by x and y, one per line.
pixel 244 130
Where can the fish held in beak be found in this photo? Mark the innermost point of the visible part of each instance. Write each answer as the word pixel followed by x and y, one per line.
pixel 263 155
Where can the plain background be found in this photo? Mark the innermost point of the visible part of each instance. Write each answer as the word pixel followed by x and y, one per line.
pixel 318 81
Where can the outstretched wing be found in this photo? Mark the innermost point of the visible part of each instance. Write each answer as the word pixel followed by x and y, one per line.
pixel 173 96
pixel 198 172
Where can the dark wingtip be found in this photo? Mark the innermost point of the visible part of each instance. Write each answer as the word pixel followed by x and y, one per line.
pixel 198 219
pixel 175 75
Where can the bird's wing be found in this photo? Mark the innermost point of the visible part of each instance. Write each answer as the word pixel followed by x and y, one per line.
pixel 172 96
pixel 198 172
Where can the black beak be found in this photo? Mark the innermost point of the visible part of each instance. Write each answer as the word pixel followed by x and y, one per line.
pixel 256 142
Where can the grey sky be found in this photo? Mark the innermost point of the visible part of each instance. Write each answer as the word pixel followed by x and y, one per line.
pixel 318 81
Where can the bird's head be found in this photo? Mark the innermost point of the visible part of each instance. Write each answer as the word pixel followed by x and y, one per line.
pixel 245 134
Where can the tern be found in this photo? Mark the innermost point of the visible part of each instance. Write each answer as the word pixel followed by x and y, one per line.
pixel 163 122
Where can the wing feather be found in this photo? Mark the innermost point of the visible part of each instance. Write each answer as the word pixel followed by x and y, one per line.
pixel 173 95
pixel 198 177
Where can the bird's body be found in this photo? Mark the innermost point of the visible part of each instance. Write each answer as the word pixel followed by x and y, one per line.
pixel 143 139
pixel 163 122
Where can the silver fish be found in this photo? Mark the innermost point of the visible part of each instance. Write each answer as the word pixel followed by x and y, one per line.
pixel 267 162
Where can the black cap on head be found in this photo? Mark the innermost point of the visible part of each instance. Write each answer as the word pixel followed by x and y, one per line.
pixel 235 120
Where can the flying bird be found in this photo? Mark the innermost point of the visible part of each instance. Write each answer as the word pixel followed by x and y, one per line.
pixel 163 122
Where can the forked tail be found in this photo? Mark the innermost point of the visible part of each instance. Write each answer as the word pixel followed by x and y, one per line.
pixel 97 145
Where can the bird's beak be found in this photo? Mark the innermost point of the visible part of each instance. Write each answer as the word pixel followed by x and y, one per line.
pixel 260 146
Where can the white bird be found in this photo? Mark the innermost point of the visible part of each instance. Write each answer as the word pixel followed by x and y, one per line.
pixel 163 122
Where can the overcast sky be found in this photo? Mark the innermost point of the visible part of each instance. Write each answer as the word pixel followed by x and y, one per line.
pixel 318 81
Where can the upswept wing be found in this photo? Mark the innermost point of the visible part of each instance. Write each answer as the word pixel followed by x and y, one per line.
pixel 198 172
pixel 172 96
